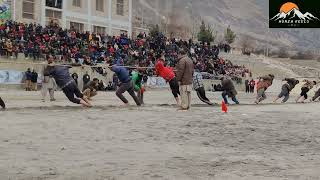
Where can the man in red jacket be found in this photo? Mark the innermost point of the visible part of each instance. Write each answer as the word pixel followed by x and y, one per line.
pixel 167 74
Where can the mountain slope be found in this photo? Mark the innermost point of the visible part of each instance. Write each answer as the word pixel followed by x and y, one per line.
pixel 246 17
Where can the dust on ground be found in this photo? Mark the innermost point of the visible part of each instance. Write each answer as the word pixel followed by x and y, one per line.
pixel 61 141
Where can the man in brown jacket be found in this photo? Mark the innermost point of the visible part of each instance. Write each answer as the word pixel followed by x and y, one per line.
pixel 264 83
pixel 185 70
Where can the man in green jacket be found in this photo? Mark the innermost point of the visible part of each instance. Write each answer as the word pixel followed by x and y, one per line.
pixel 136 77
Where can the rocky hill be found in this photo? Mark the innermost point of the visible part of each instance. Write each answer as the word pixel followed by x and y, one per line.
pixel 246 17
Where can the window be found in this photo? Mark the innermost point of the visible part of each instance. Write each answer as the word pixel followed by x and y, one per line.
pixel 120 7
pixel 76 26
pixel 54 3
pixel 28 9
pixel 76 3
pixel 53 14
pixel 99 29
pixel 100 5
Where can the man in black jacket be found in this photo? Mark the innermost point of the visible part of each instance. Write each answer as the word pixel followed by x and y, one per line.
pixel 34 80
pixel 228 90
pixel 86 79
pixel 286 89
pixel 75 77
pixel 28 74
pixel 2 104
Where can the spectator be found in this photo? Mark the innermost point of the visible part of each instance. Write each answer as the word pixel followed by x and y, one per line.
pixel 115 81
pixel 86 79
pixel 28 75
pixel 252 84
pixel 184 77
pixel 34 80
pixel 247 85
pixel 48 84
pixel 101 86
pixel 69 46
pixel 75 78
pixel 91 88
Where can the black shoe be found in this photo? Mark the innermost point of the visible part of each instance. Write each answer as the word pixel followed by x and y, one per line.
pixel 2 104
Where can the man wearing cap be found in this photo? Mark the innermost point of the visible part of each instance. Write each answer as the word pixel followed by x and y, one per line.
pixel 185 70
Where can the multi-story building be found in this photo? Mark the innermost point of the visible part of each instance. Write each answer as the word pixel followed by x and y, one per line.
pixel 103 16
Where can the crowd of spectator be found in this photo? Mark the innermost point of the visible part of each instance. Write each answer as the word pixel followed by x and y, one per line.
pixel 70 46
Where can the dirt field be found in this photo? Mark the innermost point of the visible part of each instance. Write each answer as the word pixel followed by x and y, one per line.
pixel 59 141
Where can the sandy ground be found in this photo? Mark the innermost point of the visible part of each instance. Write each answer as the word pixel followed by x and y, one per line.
pixel 60 141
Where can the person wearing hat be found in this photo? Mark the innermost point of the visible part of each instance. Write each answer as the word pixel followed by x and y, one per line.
pixel 48 84
pixel 185 69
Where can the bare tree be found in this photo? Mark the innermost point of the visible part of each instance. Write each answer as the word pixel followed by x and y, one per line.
pixel 247 44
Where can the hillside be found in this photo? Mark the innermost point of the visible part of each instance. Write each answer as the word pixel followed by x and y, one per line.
pixel 246 17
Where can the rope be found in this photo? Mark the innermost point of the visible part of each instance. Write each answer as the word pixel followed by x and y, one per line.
pixel 72 65
pixel 101 65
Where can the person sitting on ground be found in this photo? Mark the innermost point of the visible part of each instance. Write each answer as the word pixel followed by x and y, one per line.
pixel 198 86
pixel 228 90
pixel 307 86
pixel 286 89
pixel 101 86
pixel 90 89
pixel 264 83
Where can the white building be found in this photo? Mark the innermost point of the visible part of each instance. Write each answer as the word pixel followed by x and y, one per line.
pixel 104 16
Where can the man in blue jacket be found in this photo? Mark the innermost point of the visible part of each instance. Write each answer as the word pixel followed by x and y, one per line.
pixel 28 74
pixel 126 84
pixel 63 79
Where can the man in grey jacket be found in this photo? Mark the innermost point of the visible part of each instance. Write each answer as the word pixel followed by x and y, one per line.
pixel 61 75
pixel 184 76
